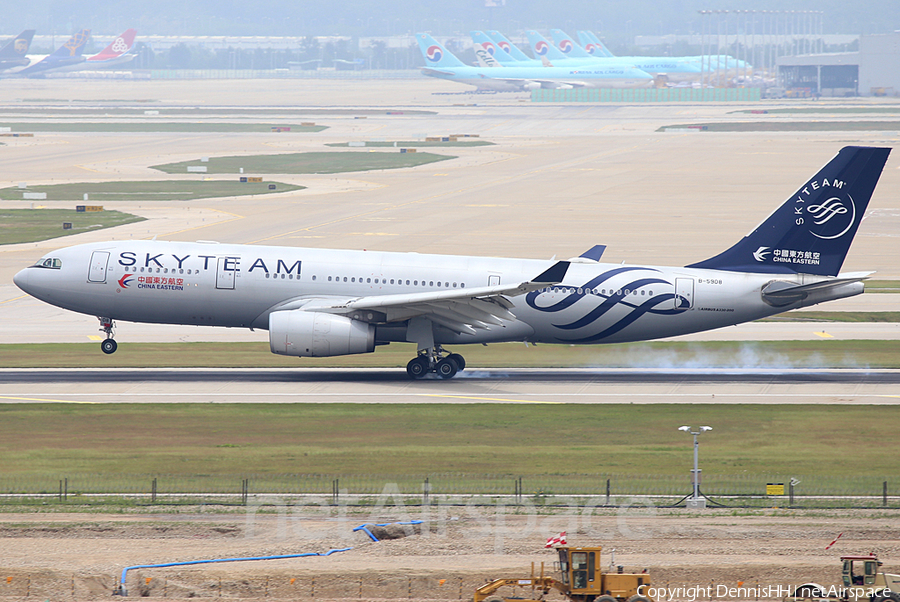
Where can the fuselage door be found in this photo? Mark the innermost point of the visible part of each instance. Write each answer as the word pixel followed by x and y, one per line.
pixel 684 293
pixel 493 279
pixel 97 271
pixel 225 273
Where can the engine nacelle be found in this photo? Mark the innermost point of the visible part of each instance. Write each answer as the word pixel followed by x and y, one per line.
pixel 317 334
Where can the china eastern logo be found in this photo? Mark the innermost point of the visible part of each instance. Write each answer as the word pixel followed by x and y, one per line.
pixel 125 280
pixel 823 208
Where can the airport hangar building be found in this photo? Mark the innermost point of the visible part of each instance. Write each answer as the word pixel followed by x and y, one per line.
pixel 874 70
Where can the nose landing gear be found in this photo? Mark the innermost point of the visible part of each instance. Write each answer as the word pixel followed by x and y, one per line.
pixel 432 360
pixel 109 345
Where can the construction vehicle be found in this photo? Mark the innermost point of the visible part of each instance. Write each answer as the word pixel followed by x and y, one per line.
pixel 862 580
pixel 581 580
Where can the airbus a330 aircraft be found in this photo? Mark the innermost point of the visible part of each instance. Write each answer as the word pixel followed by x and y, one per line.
pixel 318 302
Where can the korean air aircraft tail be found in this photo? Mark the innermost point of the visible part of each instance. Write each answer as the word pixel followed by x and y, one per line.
pixel 505 44
pixel 487 45
pixel 541 48
pixel 435 54
pixel 567 45
pixel 812 231
pixel 116 48
pixel 592 44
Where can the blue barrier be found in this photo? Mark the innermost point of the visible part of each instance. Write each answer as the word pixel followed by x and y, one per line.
pixel 123 592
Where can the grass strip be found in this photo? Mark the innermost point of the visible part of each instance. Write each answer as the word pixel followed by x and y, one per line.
pixel 165 190
pixel 826 353
pixel 32 225
pixel 792 126
pixel 836 316
pixel 457 444
pixel 153 126
pixel 882 286
pixel 307 163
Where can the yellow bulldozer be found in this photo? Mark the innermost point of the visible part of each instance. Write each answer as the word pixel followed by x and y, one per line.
pixel 581 580
pixel 862 580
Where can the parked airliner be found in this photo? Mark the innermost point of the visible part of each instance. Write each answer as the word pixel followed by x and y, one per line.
pixel 317 302
pixel 442 64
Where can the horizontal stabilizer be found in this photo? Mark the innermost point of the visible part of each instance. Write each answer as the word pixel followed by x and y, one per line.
pixel 780 294
pixel 594 253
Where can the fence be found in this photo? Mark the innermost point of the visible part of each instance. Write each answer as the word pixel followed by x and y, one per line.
pixel 744 490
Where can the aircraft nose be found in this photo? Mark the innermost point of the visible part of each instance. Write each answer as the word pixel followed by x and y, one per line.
pixel 21 280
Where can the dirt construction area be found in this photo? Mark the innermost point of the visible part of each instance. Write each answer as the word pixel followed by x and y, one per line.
pixel 694 555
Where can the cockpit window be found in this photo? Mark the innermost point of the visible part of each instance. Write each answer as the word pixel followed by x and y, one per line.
pixel 50 262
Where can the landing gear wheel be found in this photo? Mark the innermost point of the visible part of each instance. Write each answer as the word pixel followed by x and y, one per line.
pixel 109 346
pixel 460 361
pixel 446 368
pixel 417 367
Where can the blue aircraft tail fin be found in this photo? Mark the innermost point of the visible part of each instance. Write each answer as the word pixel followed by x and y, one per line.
pixel 74 46
pixel 485 44
pixel 541 48
pixel 592 44
pixel 812 231
pixel 508 46
pixel 435 54
pixel 567 45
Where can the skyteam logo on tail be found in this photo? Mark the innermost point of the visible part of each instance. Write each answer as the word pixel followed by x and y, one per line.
pixel 832 215
pixel 434 54
pixel 504 45
pixel 541 48
pixel 828 214
pixel 591 48
pixel 489 47
pixel 566 46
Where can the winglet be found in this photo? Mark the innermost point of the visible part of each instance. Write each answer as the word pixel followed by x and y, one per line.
pixel 553 274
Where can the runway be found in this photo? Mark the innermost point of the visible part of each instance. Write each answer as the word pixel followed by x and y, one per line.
pixel 503 386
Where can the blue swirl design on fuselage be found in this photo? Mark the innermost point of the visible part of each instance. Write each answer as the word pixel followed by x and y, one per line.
pixel 615 298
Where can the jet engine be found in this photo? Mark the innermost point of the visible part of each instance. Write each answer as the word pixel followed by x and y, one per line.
pixel 317 334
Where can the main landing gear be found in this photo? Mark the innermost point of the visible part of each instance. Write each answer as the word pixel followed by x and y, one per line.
pixel 109 345
pixel 433 360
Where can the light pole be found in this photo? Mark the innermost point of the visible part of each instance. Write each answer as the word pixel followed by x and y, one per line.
pixel 695 501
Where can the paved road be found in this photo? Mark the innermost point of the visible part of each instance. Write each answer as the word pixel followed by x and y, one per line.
pixel 583 386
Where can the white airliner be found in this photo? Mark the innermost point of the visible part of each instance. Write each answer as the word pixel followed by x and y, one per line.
pixel 317 302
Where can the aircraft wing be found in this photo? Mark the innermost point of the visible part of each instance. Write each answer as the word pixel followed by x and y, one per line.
pixel 462 310
pixel 438 72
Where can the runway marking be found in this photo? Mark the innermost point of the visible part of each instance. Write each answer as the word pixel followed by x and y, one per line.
pixel 824 335
pixel 95 337
pixel 13 299
pixel 50 400
pixel 88 169
pixel 490 398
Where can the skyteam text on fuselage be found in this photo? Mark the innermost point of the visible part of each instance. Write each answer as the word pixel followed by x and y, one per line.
pixel 318 302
